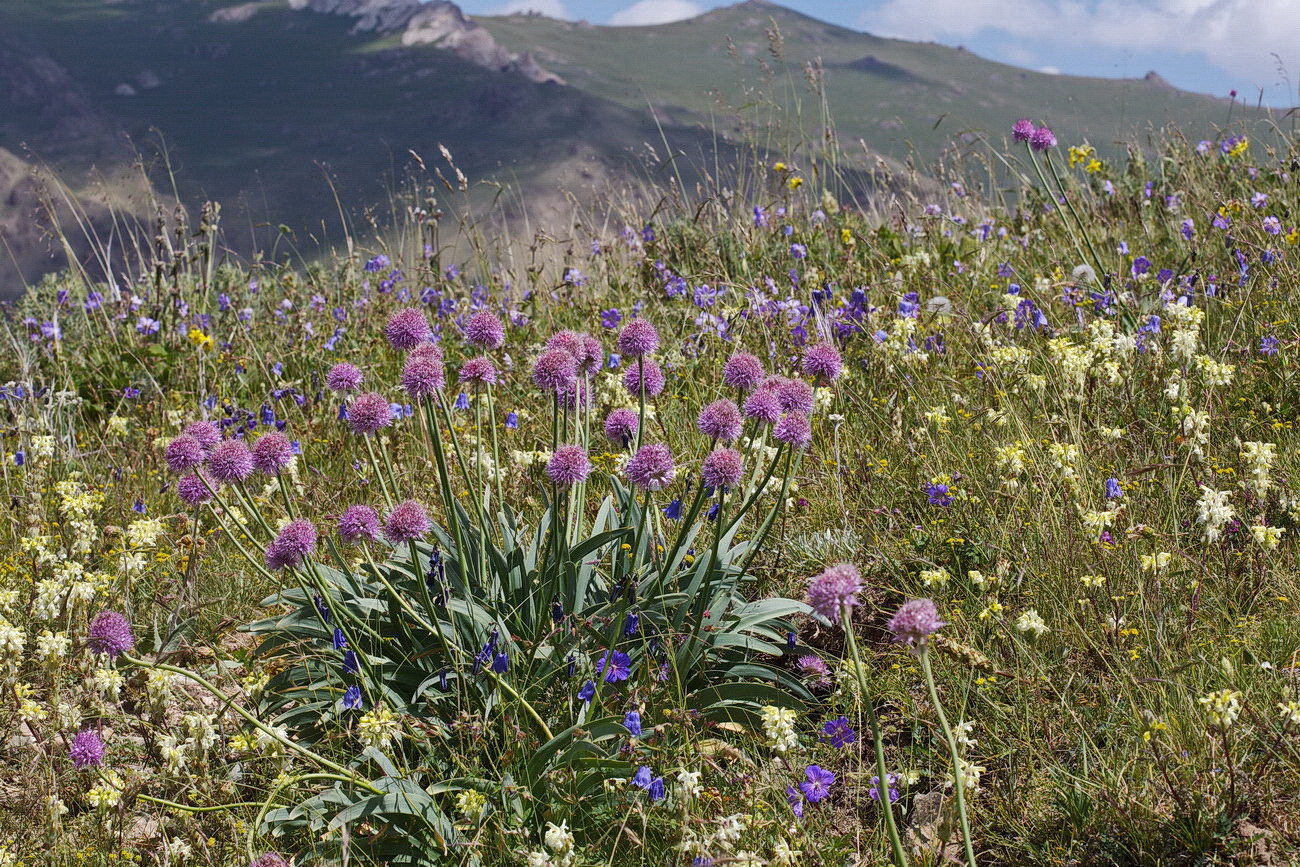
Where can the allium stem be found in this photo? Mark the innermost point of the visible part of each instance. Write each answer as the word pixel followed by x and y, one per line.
pixel 882 771
pixel 958 783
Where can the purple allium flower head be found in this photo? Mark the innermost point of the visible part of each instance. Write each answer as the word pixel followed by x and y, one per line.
pixel 183 453
pixel 795 396
pixel 359 522
pixel 110 633
pixel 272 453
pixel 620 426
pixel 569 341
pixel 479 371
pixel 834 589
pixel 422 376
pixel 653 378
pixel 568 466
pixel 651 467
pixel 793 429
pixel 485 330
pixel 207 433
pixel 722 469
pixel 87 749
pixel 822 362
pixel 369 412
pixel 814 668
pixel 268 859
pixel 430 351
pixel 407 522
pixel 1042 139
pixel 295 541
pixel 1022 129
pixel 230 461
pixel 192 490
pixel 638 338
pixel 344 377
pixel 407 329
pixel 818 784
pixel 591 356
pixel 764 406
pixel 555 370
pixel 720 420
pixel 915 622
pixel 742 371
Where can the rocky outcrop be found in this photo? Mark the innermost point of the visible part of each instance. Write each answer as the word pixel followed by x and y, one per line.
pixel 439 23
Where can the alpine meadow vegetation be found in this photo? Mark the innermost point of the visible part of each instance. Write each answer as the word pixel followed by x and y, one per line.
pixel 762 530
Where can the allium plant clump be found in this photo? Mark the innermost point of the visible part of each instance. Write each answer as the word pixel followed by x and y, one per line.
pixel 730 538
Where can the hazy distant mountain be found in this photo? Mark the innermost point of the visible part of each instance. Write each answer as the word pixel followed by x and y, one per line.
pixel 273 106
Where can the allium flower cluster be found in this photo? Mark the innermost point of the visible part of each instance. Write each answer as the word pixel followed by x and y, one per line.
pixel 110 634
pixel 369 413
pixel 359 523
pixel 742 371
pixel 645 373
pixel 834 590
pixel 720 420
pixel 272 453
pixel 407 522
pixel 651 467
pixel 230 461
pixel 568 466
pixel 87 750
pixel 485 330
pixel 344 377
pixel 407 329
pixel 638 338
pixel 722 469
pixel 822 362
pixel 620 427
pixel 292 545
pixel 915 622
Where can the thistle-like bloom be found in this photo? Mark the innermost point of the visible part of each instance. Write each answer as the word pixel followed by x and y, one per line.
pixel 230 461
pixel 1042 139
pixel 742 371
pixel 833 590
pixel 653 378
pixel 295 542
pixel 110 633
pixel 184 453
pixel 369 412
pixel 344 377
pixel 207 433
pixel 357 523
pixel 269 859
pixel 407 329
pixel 763 406
pixel 568 466
pixel 620 427
pixel 591 356
pixel 720 420
pixel 795 396
pixel 915 622
pixel 555 370
pixel 794 430
pixel 272 453
pixel 1022 129
pixel 422 376
pixel 192 490
pixel 822 362
pixel 651 467
pixel 407 522
pixel 430 351
pixel 569 341
pixel 485 330
pixel 638 338
pixel 479 371
pixel 87 749
pixel 722 469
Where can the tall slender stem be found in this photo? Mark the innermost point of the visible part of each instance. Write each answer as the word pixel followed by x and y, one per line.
pixel 958 782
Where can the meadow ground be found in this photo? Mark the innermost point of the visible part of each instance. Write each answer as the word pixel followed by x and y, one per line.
pixel 536 561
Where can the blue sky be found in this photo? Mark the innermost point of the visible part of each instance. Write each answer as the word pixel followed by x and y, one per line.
pixel 1211 46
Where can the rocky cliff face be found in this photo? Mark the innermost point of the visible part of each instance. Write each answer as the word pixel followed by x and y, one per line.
pixel 439 23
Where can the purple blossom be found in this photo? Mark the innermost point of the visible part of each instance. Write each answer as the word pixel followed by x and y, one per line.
pixel 369 413
pixel 651 467
pixel 818 784
pixel 407 329
pixel 822 362
pixel 87 750
pixel 292 545
pixel 110 633
pixel 272 453
pixel 834 590
pixel 720 420
pixel 344 377
pixel 915 622
pixel 742 371
pixel 645 373
pixel 568 466
pixel 485 330
pixel 620 427
pixel 407 522
pixel 638 338
pixel 722 469
pixel 358 522
pixel 230 461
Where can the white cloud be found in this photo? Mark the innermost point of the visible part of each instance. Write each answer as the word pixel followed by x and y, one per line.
pixel 645 12
pixel 1050 70
pixel 549 8
pixel 1237 36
